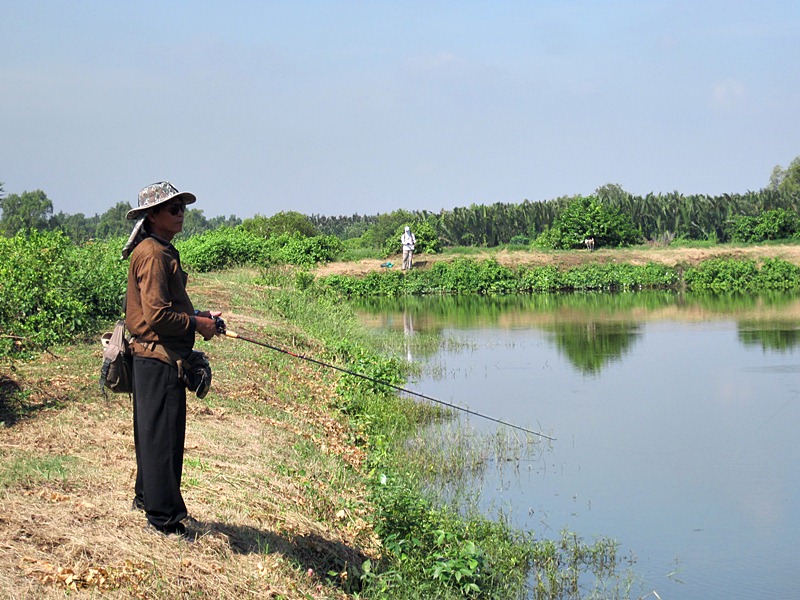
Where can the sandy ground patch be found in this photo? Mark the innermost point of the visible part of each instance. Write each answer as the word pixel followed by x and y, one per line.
pixel 570 258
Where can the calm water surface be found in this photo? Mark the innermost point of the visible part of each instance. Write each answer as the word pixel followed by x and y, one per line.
pixel 677 422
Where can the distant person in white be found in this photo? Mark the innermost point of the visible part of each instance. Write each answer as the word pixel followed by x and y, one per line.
pixel 408 240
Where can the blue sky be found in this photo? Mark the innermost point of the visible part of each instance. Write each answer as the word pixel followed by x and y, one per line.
pixel 337 108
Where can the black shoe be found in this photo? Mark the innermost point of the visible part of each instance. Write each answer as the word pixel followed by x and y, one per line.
pixel 176 529
pixel 137 504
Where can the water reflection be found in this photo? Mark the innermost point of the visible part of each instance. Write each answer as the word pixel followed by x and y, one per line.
pixel 592 330
pixel 408 333
pixel 781 337
pixel 592 345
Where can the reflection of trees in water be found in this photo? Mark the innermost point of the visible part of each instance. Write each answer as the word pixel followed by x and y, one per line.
pixel 778 336
pixel 591 345
pixel 435 312
pixel 591 328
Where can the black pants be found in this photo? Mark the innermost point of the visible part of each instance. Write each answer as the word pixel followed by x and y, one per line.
pixel 159 430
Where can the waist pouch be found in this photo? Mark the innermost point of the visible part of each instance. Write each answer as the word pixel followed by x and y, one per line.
pixel 194 370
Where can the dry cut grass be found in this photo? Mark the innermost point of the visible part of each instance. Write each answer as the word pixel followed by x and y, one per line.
pixel 273 485
pixel 638 255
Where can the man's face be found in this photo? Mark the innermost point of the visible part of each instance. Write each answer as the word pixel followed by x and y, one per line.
pixel 168 220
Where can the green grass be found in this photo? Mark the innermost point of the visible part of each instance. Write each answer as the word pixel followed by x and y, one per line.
pixel 350 254
pixel 30 469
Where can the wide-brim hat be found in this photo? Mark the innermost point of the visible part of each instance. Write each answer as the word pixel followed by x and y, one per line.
pixel 155 194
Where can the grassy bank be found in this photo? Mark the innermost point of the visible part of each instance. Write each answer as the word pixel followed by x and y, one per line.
pixel 674 255
pixel 490 277
pixel 295 476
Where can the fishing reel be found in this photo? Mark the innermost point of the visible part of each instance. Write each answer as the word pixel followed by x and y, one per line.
pixel 220 324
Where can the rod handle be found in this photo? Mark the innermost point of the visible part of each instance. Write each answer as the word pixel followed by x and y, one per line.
pixel 231 334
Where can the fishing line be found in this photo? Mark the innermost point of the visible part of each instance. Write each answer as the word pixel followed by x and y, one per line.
pixel 232 334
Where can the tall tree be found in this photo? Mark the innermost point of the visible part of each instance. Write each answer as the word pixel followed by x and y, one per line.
pixel 77 226
pixel 775 178
pixel 611 192
pixel 786 180
pixel 384 228
pixel 791 182
pixel 194 222
pixel 113 222
pixel 29 210
pixel 222 221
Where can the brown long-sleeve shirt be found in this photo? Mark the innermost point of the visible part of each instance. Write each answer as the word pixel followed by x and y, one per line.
pixel 158 309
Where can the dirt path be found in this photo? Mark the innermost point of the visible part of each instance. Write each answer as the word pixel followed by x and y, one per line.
pixel 638 256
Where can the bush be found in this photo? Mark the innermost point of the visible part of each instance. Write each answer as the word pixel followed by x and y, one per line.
pixel 730 275
pixel 295 249
pixel 775 224
pixel 777 274
pixel 588 217
pixel 229 247
pixel 283 222
pixel 721 274
pixel 424 233
pixel 432 547
pixel 222 248
pixel 468 276
pixel 52 291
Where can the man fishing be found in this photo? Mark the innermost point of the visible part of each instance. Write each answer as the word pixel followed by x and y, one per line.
pixel 163 322
pixel 408 241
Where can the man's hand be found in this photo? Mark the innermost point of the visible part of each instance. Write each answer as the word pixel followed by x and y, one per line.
pixel 206 325
pixel 208 313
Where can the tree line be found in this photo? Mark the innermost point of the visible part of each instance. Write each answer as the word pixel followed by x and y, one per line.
pixel 34 211
pixel 655 217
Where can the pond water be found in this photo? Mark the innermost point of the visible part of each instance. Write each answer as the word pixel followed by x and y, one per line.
pixel 676 420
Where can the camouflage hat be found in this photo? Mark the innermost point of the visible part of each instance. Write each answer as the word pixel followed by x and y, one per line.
pixel 155 194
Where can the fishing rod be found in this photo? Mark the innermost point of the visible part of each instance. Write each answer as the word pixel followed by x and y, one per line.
pixel 232 334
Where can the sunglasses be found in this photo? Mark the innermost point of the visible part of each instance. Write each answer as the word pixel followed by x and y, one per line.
pixel 174 209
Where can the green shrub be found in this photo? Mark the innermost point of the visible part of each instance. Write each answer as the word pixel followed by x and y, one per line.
pixel 425 234
pixel 466 276
pixel 290 222
pixel 775 224
pixel 229 247
pixel 303 251
pixel 540 279
pixel 588 217
pixel 488 277
pixel 52 291
pixel 431 548
pixel 618 277
pixel 777 274
pixel 732 275
pixel 222 248
pixel 721 274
